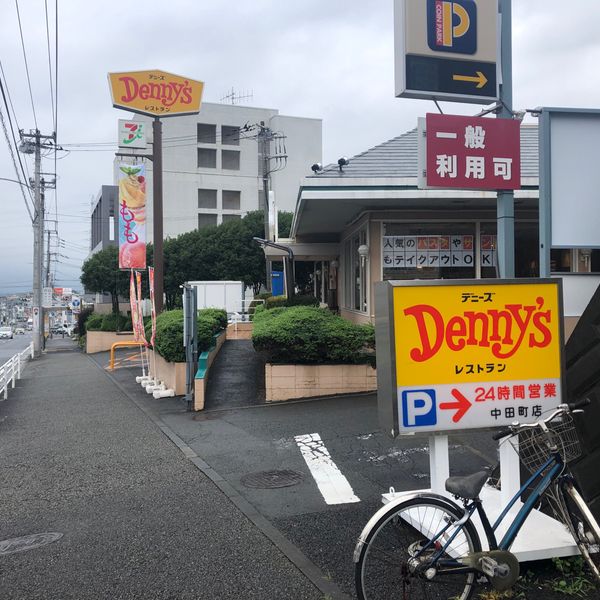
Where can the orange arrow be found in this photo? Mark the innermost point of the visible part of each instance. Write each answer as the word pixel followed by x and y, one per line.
pixel 480 79
pixel 462 405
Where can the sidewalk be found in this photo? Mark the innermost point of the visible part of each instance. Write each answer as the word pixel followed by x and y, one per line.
pixel 138 519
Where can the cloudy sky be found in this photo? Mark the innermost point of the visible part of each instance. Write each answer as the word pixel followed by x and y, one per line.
pixel 329 59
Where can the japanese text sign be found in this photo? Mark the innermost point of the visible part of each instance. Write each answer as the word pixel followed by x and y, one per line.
pixel 468 354
pixel 132 217
pixel 473 153
pixel 155 93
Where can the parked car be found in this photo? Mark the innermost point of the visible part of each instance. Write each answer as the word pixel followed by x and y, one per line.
pixel 19 331
pixel 6 333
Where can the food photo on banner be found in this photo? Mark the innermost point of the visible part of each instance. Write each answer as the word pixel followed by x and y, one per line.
pixel 132 217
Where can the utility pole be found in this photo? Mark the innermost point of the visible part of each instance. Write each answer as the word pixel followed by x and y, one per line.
pixel 157 214
pixel 31 143
pixel 264 150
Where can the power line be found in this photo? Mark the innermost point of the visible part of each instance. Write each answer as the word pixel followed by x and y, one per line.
pixel 50 65
pixel 26 65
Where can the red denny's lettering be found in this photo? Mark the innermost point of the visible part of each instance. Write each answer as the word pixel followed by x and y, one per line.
pixel 503 331
pixel 166 93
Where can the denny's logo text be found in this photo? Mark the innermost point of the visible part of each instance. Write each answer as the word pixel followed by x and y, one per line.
pixel 155 93
pixel 453 333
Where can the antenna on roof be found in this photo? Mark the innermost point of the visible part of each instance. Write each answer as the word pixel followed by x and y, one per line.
pixel 234 97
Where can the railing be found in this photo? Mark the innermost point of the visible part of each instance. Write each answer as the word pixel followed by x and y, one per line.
pixel 243 311
pixel 10 371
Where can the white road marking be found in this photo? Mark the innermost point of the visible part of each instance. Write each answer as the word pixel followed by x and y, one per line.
pixel 331 483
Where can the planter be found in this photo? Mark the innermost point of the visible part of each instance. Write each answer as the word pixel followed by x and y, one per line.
pixel 101 341
pixel 171 374
pixel 205 361
pixel 287 382
pixel 239 331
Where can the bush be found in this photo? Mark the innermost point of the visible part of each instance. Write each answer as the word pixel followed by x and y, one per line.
pixel 300 300
pixel 169 332
pixel 309 335
pixel 93 322
pixel 82 318
pixel 115 322
pixel 263 296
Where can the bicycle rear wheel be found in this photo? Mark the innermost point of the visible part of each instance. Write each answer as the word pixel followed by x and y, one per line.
pixel 583 526
pixel 387 567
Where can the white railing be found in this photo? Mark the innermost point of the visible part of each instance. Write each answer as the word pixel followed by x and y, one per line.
pixel 10 371
pixel 242 311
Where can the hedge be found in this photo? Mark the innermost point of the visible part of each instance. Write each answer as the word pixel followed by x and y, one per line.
pixel 108 322
pixel 300 300
pixel 309 335
pixel 169 332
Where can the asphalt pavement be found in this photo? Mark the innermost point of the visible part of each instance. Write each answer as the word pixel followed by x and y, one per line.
pixel 138 519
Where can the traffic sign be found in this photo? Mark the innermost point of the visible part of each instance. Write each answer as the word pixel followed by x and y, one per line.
pixel 467 354
pixel 471 153
pixel 446 50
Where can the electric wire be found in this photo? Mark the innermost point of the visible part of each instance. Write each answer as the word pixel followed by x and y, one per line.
pixel 26 65
pixel 50 65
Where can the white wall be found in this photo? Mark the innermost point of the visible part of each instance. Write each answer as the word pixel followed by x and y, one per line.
pixel 182 178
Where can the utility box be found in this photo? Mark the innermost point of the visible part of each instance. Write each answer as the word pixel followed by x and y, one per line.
pixel 228 295
pixel 277 287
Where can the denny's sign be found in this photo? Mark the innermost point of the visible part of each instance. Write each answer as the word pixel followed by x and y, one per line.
pixel 155 93
pixel 457 355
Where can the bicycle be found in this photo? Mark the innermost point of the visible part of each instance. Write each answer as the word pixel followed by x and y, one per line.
pixel 425 545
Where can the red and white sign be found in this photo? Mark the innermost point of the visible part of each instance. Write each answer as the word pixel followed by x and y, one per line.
pixel 473 153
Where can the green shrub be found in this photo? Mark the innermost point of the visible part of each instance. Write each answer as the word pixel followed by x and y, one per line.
pixel 263 296
pixel 82 318
pixel 94 322
pixel 300 300
pixel 169 332
pixel 218 314
pixel 309 335
pixel 115 322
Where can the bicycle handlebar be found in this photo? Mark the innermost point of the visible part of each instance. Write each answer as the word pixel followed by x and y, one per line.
pixel 562 408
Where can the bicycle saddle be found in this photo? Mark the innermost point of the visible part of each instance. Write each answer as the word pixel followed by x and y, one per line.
pixel 467 487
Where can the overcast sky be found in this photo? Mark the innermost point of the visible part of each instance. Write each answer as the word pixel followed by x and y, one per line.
pixel 329 59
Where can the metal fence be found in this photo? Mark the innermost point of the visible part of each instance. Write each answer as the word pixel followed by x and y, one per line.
pixel 10 371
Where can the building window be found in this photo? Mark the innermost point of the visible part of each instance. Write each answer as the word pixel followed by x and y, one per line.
pixel 355 272
pixel 231 218
pixel 207 198
pixel 431 251
pixel 230 135
pixel 231 200
pixel 206 220
pixel 230 159
pixel 207 134
pixel 207 158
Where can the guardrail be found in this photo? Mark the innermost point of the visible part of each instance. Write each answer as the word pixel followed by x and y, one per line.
pixel 10 371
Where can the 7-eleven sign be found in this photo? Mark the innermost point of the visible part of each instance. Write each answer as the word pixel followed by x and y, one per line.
pixel 132 134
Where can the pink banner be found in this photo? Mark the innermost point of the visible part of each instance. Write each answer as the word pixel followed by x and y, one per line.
pixel 132 217
pixel 134 307
pixel 153 306
pixel 140 316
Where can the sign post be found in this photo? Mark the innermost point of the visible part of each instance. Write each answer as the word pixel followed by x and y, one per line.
pixel 157 94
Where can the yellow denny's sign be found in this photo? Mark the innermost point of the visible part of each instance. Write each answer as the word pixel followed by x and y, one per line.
pixel 155 93
pixel 473 353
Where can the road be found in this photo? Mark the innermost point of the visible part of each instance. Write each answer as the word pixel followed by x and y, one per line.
pixel 9 348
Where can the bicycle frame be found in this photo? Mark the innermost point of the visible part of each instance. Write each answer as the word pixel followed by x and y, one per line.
pixel 553 468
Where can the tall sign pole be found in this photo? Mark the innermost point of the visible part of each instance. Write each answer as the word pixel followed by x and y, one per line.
pixel 157 94
pixel 157 212
pixel 38 243
pixel 505 208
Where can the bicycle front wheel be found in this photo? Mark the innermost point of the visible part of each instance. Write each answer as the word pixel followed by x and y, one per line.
pixel 394 564
pixel 583 526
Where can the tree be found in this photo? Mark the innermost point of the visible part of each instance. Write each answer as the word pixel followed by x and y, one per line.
pixel 100 273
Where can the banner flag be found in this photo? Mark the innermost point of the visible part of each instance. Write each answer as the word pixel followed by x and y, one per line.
pixel 134 307
pixel 140 314
pixel 132 216
pixel 153 306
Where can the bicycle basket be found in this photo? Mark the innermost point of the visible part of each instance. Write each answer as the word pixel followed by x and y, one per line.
pixel 533 444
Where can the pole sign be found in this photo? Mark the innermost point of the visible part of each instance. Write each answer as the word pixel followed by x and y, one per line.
pixel 155 93
pixel 460 354
pixel 132 134
pixel 472 153
pixel 132 216
pixel 446 50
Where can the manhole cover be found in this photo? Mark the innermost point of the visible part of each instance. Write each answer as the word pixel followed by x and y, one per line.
pixel 272 479
pixel 28 542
